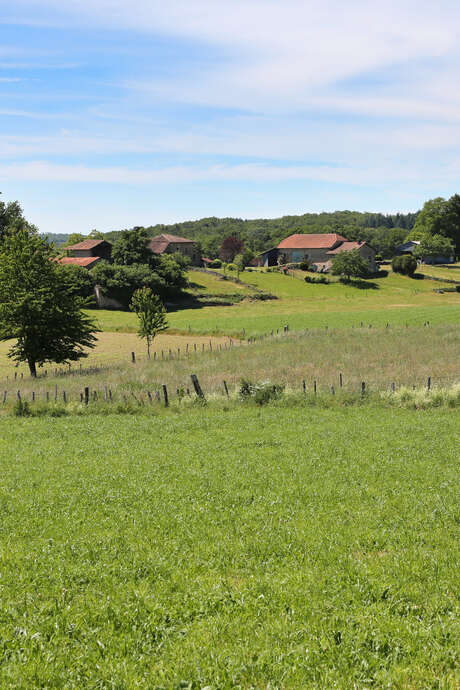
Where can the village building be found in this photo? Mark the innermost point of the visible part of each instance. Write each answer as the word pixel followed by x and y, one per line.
pixel 316 249
pixel 87 253
pixel 170 244
pixel 408 248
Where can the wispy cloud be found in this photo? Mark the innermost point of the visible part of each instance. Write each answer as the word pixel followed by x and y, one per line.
pixel 358 93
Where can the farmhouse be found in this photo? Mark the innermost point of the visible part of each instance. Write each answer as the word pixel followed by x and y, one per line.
pixel 170 244
pixel 408 248
pixel 87 253
pixel 317 249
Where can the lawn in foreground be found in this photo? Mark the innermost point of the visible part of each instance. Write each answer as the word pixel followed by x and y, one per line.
pixel 275 547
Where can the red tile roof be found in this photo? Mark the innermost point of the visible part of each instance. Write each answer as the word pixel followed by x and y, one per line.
pixel 312 241
pixel 346 247
pixel 79 260
pixel 86 244
pixel 159 243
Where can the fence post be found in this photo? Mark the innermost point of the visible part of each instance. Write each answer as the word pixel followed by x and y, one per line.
pixel 197 387
pixel 428 383
pixel 165 395
pixel 363 387
pixel 133 358
pixel 393 387
pixel 340 380
pixel 304 387
pixel 226 389
pixel 314 387
pixel 86 395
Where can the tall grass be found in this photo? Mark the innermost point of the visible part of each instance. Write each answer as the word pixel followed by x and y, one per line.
pixel 379 357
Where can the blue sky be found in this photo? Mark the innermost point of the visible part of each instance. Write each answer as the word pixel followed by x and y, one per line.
pixel 117 113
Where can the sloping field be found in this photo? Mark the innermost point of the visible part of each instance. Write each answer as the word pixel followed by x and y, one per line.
pixel 242 548
pixel 395 299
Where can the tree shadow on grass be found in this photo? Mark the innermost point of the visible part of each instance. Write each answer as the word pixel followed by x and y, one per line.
pixel 361 284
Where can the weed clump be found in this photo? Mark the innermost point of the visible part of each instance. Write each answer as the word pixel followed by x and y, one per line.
pixel 22 409
pixel 260 393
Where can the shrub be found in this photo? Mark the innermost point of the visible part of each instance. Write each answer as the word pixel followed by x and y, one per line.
pixel 217 263
pixel 320 279
pixel 405 264
pixel 304 266
pixel 231 267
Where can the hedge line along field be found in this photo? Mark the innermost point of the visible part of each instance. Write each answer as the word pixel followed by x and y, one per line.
pixel 405 356
pixel 231 549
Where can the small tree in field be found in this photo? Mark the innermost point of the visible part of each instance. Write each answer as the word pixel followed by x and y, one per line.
pixel 151 313
pixel 350 264
pixel 38 307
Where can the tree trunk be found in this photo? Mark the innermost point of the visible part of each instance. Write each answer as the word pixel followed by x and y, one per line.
pixel 148 347
pixel 33 368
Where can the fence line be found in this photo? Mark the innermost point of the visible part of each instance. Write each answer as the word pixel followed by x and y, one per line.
pixel 69 370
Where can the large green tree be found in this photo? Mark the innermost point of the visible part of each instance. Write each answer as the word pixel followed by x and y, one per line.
pixel 131 247
pixel 439 217
pixel 12 219
pixel 433 246
pixel 350 264
pixel 38 309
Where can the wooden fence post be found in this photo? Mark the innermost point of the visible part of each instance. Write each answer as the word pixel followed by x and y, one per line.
pixel 314 387
pixel 197 387
pixel 226 389
pixel 304 387
pixel 133 358
pixel 86 395
pixel 428 383
pixel 340 380
pixel 363 387
pixel 165 395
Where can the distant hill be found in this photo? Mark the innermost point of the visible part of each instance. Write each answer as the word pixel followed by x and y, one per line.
pixel 383 232
pixel 58 239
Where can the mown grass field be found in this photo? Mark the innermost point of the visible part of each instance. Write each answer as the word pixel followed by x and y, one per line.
pixel 231 548
pixel 395 299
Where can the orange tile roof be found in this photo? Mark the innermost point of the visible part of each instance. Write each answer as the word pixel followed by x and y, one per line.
pixel 311 241
pixel 86 244
pixel 79 260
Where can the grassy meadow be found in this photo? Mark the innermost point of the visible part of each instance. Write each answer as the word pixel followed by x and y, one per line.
pixel 231 548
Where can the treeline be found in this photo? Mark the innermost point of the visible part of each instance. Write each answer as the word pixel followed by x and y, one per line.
pixel 383 232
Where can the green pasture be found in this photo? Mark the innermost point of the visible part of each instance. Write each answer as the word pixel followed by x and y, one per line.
pixel 278 547
pixel 395 299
